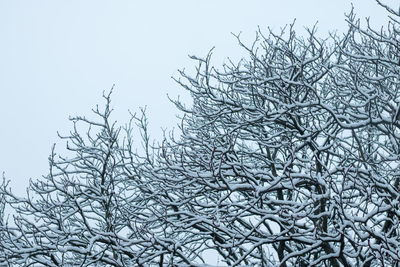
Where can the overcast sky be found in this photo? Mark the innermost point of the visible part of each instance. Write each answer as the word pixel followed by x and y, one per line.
pixel 56 58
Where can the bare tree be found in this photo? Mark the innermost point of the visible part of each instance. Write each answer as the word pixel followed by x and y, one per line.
pixel 288 157
pixel 291 157
pixel 91 209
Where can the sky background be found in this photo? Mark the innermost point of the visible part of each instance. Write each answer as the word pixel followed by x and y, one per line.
pixel 57 57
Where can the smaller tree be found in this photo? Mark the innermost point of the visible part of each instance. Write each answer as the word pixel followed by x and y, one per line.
pixel 91 207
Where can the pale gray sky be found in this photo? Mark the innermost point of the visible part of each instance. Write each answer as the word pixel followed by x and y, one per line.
pixel 56 58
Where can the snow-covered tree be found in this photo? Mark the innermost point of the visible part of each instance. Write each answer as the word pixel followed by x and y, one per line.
pixel 91 209
pixel 289 157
